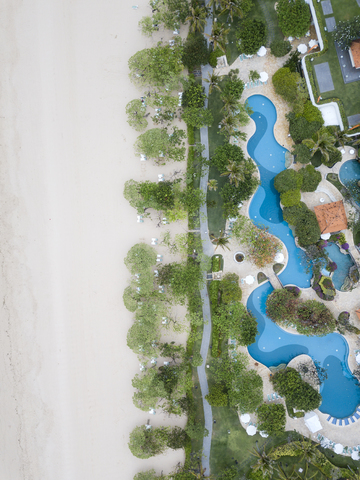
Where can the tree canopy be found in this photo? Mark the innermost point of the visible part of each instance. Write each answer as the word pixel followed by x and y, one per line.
pixel 271 418
pixel 294 17
pixel 158 143
pixel 251 35
pixel 346 31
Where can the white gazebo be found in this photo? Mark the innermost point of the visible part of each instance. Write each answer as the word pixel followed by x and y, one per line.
pixel 245 418
pixel 302 48
pixel 251 430
pixel 264 77
pixel 312 422
pixel 261 52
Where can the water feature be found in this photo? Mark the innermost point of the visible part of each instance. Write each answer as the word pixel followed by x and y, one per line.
pixel 349 175
pixel 340 391
pixel 343 262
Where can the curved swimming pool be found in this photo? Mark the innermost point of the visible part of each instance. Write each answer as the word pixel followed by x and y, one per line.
pixel 340 391
pixel 349 175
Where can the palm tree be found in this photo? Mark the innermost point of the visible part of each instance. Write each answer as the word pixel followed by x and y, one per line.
pixel 232 8
pixel 220 241
pixel 213 81
pixel 265 463
pixel 308 450
pixel 212 184
pixel 231 103
pixel 235 172
pixel 197 18
pixel 341 136
pixel 229 125
pixel 218 36
pixel 324 144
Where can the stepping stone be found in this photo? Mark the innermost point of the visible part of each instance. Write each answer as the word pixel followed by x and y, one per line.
pixel 327 7
pixel 323 76
pixel 330 24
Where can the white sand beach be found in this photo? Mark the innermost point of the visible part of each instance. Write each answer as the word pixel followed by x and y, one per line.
pixel 66 151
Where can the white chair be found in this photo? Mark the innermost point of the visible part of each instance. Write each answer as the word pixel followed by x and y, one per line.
pixel 154 241
pixel 143 157
pixel 140 219
pixel 156 273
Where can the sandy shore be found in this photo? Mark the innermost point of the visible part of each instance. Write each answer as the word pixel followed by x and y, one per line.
pixel 66 151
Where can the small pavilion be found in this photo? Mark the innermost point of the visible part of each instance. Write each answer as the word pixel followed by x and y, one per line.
pixel 331 217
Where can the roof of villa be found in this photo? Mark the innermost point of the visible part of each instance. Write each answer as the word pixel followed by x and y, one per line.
pixel 331 217
pixel 355 51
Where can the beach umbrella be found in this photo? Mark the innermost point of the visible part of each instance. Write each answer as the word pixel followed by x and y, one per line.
pixel 357 358
pixel 290 39
pixel 251 430
pixel 249 279
pixel 355 455
pixel 279 257
pixel 261 52
pixel 338 448
pixel 312 43
pixel 263 77
pixel 325 236
pixel 264 434
pixel 245 418
pixel 302 48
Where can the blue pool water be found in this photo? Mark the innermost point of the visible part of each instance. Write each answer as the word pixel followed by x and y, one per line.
pixel 349 172
pixel 340 391
pixel 343 262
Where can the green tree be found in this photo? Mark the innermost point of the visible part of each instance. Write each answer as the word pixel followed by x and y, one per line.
pixel 213 80
pixel 281 304
pixel 135 110
pixel 226 153
pixel 182 279
pixel 159 66
pixel 290 198
pixel 251 35
pixel 294 17
pixel 197 117
pixel 197 18
pixel 140 257
pixel 158 144
pixel 130 299
pixel 233 85
pixel 247 391
pixel 265 464
pixel 218 396
pixel 322 142
pixel 150 389
pixel 346 31
pixel 195 52
pixel 145 443
pixel 196 431
pixel 148 475
pixel 286 84
pixel 212 184
pixel 148 26
pixel 218 36
pixel 237 8
pixel 235 172
pixel 220 241
pixel 231 104
pixel 271 418
pixel 302 153
pixel 288 179
pixel 311 178
pixel 143 339
pixel 307 228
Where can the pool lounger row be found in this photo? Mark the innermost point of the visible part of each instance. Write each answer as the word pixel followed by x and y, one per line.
pixel 273 396
pixel 343 422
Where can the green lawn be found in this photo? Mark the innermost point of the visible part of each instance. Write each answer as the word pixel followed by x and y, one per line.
pixel 347 93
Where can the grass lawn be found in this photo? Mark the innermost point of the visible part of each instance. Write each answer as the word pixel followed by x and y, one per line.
pixel 347 93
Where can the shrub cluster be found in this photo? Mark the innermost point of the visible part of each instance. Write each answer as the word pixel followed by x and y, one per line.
pixel 279 48
pixel 251 36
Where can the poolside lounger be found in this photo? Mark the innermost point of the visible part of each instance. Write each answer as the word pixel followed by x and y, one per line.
pixel 340 422
pixel 333 421
pixel 350 450
pixel 356 415
pixel 269 398
pixel 352 419
pixel 273 396
pixel 346 421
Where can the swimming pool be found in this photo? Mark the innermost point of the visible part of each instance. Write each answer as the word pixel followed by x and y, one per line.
pixel 343 262
pixel 340 391
pixel 349 175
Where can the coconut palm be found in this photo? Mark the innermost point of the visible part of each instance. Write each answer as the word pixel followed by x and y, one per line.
pixel 220 241
pixel 218 36
pixel 212 184
pixel 213 81
pixel 197 18
pixel 231 103
pixel 235 172
pixel 341 136
pixel 324 143
pixel 308 450
pixel 232 8
pixel 265 463
pixel 229 125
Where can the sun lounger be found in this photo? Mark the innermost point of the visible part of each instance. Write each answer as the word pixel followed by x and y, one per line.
pixel 269 398
pixel 139 219
pixel 273 396
pixel 352 419
pixel 346 421
pixel 356 415
pixel 340 422
pixel 143 157
pixel 333 421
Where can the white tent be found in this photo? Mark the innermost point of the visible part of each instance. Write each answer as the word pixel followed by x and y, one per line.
pixel 264 77
pixel 249 279
pixel 312 43
pixel 355 455
pixel 302 48
pixel 264 434
pixel 338 448
pixel 279 257
pixel 312 422
pixel 325 236
pixel 245 418
pixel 261 52
pixel 251 430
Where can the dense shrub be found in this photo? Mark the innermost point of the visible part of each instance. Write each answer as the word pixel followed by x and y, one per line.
pixel 216 263
pixel 290 198
pixel 194 95
pixel 302 153
pixel 288 179
pixel 282 304
pixel 214 55
pixel 307 228
pixel 230 289
pixel 294 17
pixel 334 157
pixel 234 86
pixel 291 214
pixel 279 48
pixel 292 62
pixel 286 84
pixel 311 178
pixel 224 153
pixel 312 113
pixel 298 394
pixel 314 318
pixel 195 51
pixel 218 395
pixel 271 418
pixel 232 195
pixel 300 128
pixel 251 36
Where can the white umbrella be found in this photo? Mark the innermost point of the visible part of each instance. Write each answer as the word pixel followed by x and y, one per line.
pixel 355 455
pixel 249 279
pixel 338 448
pixel 302 48
pixel 279 257
pixel 357 358
pixel 245 418
pixel 263 77
pixel 264 434
pixel 290 39
pixel 312 43
pixel 325 236
pixel 251 430
pixel 261 52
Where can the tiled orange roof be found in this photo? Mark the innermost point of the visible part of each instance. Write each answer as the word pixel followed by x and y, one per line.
pixel 331 217
pixel 355 51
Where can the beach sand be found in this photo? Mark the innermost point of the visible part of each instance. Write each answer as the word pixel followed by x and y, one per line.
pixel 65 228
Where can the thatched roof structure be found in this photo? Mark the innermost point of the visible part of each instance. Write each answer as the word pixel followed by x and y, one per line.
pixel 331 217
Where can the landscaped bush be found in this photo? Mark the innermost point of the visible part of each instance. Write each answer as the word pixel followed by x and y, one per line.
pixel 302 153
pixel 230 289
pixel 261 277
pixel 251 36
pixel 234 86
pixel 294 17
pixel 307 228
pixel 286 84
pixel 298 394
pixel 334 157
pixel 232 195
pixel 300 128
pixel 271 418
pixel 291 214
pixel 311 113
pixel 224 153
pixel 281 305
pixel 314 318
pixel 214 55
pixel 288 179
pixel 279 48
pixel 218 395
pixel 214 288
pixel 293 290
pixel 290 198
pixel 338 238
pixel 195 51
pixel 311 178
pixel 216 263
